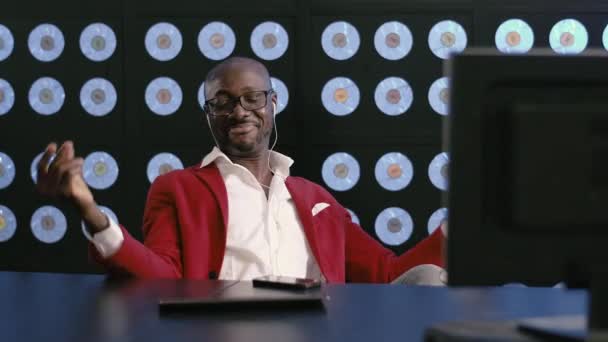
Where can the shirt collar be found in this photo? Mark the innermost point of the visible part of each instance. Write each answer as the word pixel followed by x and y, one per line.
pixel 279 163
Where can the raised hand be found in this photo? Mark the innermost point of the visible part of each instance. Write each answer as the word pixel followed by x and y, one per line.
pixel 62 178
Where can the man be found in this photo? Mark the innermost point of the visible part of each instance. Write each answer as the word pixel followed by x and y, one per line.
pixel 238 214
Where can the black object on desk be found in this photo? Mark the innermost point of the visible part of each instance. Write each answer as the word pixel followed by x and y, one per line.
pixel 570 328
pixel 244 296
pixel 286 283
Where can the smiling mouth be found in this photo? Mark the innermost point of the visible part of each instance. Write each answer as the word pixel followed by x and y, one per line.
pixel 242 128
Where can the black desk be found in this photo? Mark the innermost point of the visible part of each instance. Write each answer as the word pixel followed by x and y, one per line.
pixel 60 307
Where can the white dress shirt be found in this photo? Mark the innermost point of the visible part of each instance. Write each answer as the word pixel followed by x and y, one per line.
pixel 264 234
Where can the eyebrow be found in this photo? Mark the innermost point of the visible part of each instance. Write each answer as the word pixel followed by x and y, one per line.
pixel 243 90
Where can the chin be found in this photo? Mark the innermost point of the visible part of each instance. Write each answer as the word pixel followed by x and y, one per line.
pixel 243 146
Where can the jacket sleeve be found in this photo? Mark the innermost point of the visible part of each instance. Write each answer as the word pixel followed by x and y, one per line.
pixel 368 261
pixel 160 254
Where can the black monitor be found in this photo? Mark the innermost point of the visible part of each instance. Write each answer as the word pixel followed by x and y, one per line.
pixel 528 181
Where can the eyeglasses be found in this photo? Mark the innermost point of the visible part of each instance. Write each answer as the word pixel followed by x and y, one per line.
pixel 223 105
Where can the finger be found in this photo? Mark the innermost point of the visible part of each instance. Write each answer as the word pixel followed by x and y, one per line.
pixel 69 149
pixel 50 150
pixel 66 166
pixel 74 172
pixel 57 173
pixel 64 152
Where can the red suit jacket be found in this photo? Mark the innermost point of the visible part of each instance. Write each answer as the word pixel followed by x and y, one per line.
pixel 185 222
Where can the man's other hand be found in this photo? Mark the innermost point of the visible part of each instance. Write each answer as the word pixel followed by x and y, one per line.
pixel 62 177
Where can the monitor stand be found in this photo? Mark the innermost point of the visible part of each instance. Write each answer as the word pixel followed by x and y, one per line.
pixel 568 328
pixel 576 328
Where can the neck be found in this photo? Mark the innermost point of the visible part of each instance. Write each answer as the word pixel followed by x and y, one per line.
pixel 256 164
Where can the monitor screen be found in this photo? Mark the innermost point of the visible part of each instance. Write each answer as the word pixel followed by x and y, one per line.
pixel 528 142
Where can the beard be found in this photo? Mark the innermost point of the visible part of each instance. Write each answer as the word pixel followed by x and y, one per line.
pixel 246 147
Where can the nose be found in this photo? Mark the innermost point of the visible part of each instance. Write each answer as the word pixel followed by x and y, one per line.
pixel 239 112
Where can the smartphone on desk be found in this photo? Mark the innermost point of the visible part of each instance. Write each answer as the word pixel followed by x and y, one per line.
pixel 288 283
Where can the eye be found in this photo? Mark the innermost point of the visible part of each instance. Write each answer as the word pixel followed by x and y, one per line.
pixel 222 100
pixel 252 97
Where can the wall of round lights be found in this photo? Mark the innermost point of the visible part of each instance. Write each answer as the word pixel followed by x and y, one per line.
pixel 340 96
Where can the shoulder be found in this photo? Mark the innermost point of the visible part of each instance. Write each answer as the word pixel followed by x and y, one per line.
pixel 175 176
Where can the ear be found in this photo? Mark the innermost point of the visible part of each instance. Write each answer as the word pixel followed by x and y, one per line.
pixel 274 103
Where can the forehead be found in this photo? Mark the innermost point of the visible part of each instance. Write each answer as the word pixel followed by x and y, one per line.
pixel 236 80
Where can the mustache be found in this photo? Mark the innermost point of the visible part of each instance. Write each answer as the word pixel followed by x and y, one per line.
pixel 233 122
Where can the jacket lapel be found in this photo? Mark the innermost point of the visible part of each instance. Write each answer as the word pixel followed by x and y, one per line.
pixel 210 175
pixel 303 206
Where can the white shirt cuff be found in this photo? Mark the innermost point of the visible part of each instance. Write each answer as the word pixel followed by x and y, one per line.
pixel 108 241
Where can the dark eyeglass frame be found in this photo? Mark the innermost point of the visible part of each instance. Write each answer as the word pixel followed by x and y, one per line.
pixel 207 108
